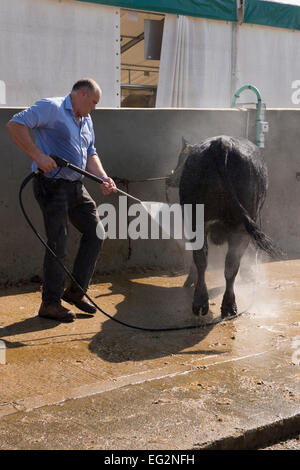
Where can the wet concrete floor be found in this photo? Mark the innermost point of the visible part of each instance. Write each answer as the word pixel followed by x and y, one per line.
pixel 96 384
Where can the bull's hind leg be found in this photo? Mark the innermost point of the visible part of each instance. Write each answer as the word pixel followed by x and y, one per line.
pixel 237 244
pixel 200 302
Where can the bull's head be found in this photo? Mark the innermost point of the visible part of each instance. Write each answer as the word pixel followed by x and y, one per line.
pixel 174 179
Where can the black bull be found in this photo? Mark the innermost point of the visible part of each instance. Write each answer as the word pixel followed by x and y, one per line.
pixel 229 176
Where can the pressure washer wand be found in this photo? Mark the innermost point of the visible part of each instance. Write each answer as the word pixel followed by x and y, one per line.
pixel 64 163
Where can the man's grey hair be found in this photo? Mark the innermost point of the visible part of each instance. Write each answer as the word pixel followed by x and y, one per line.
pixel 88 83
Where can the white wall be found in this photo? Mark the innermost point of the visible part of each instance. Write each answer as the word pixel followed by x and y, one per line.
pixel 46 45
pixel 204 62
pixel 269 59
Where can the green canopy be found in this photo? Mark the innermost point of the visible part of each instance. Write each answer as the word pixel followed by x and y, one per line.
pixel 280 15
pixel 262 12
pixel 214 9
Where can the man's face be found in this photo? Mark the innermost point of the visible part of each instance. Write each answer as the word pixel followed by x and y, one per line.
pixel 88 101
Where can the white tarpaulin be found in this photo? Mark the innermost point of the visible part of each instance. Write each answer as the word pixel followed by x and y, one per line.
pixel 269 59
pixel 195 63
pixel 45 46
pixel 203 62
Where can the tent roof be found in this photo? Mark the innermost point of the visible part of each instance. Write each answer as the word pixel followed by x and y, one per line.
pixel 276 13
pixel 213 9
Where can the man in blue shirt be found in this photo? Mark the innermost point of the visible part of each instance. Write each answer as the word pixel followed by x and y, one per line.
pixel 63 127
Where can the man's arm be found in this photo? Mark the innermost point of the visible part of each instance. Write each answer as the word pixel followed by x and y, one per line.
pixel 21 136
pixel 95 167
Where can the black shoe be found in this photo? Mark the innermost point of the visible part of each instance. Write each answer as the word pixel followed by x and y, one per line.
pixel 56 312
pixel 79 300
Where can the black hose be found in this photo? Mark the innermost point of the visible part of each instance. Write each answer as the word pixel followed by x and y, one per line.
pixel 189 327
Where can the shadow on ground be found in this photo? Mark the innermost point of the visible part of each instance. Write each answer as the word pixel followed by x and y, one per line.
pixel 152 301
pixel 147 305
pixel 29 325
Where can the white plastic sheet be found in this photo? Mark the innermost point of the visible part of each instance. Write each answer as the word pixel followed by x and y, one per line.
pixel 204 62
pixel 45 46
pixel 195 65
pixel 268 58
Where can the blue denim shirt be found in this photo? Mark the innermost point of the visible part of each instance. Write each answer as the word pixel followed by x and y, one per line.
pixel 57 132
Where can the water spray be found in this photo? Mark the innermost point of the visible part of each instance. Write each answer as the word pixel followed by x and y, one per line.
pixel 61 162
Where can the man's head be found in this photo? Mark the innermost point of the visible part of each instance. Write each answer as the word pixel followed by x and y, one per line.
pixel 85 95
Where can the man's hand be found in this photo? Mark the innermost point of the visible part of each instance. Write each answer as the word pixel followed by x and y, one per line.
pixel 108 186
pixel 94 166
pixel 45 163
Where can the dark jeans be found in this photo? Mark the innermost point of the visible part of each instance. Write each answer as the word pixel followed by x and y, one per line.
pixel 60 201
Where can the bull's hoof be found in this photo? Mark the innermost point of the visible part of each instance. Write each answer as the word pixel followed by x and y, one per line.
pixel 228 310
pixel 200 309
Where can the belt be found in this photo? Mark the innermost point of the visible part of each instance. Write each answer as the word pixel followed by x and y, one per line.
pixel 52 180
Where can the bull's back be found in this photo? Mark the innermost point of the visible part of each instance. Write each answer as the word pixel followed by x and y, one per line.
pixel 215 164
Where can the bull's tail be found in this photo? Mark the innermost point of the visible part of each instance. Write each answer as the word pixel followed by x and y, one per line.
pixel 219 152
pixel 260 238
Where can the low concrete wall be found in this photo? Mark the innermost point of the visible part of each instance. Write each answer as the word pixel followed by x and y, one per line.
pixel 140 144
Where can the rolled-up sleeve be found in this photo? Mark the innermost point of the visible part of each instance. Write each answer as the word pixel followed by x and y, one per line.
pixel 37 115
